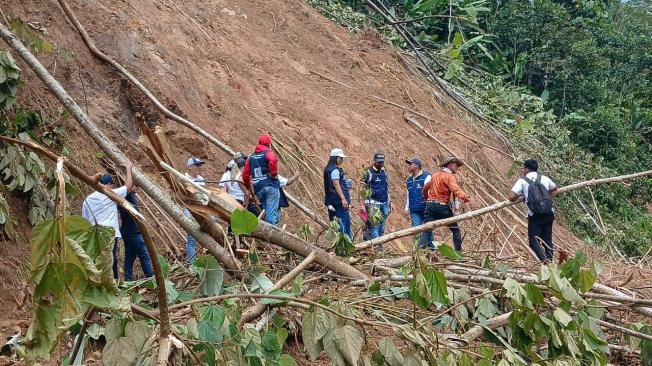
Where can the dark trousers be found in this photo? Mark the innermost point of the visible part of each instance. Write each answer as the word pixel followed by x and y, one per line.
pixel 135 248
pixel 539 228
pixel 116 257
pixel 435 211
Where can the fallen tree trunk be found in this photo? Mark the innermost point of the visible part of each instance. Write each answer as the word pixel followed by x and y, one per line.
pixel 274 234
pixel 494 323
pixel 114 153
pixel 500 205
pixel 258 309
pixel 164 110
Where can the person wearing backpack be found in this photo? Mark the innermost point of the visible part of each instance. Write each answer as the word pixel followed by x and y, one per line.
pixel 537 191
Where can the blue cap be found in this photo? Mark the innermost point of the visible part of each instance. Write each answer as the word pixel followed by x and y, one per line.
pixel 106 179
pixel 415 161
pixel 379 157
pixel 194 161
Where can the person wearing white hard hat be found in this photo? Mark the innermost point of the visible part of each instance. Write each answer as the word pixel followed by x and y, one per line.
pixel 336 192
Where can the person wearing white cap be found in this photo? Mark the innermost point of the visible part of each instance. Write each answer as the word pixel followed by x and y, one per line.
pixel 336 192
pixel 195 167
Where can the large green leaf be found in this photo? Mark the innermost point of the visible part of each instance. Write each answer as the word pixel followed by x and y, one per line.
pixel 388 349
pixel 348 342
pixel 243 222
pixel 449 252
pixel 313 345
pixel 211 275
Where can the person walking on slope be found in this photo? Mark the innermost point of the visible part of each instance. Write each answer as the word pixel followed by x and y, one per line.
pixel 134 242
pixel 336 192
pixel 195 167
pixel 375 180
pixel 537 190
pixel 260 174
pixel 98 209
pixel 415 205
pixel 437 193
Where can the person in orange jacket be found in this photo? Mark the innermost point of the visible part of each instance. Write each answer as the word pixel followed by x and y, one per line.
pixel 437 194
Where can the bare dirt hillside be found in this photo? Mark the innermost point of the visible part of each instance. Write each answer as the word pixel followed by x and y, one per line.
pixel 242 68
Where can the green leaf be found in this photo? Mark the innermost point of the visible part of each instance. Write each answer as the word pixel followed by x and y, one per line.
pixel 269 301
pixel 211 275
pixel 209 332
pixel 348 341
pixel 271 347
pixel 374 288
pixel 534 294
pixel 261 284
pixel 313 344
pixel 119 352
pixel 585 280
pixel 214 314
pixel 390 353
pixel 243 222
pixel 286 360
pixel 449 252
pixel 562 317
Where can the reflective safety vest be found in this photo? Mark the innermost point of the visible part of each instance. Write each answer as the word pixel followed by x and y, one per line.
pixel 330 194
pixel 259 167
pixel 377 182
pixel 414 188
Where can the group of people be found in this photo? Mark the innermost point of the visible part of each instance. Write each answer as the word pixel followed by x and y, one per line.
pixel 254 181
pixel 431 197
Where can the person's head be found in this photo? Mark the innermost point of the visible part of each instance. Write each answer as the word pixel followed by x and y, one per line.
pixel 194 165
pixel 265 140
pixel 453 163
pixel 530 165
pixel 379 159
pixel 336 157
pixel 414 165
pixel 107 180
pixel 240 159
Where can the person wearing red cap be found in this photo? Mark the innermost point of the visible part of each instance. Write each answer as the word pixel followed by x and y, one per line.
pixel 260 174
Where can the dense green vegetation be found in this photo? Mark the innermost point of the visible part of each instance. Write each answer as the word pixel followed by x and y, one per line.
pixel 568 81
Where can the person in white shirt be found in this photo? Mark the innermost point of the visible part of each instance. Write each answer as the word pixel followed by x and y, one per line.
pixel 539 223
pixel 98 209
pixel 195 167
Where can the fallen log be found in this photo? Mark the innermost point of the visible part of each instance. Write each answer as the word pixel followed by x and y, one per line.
pixel 257 310
pixel 274 234
pixel 164 110
pixel 161 197
pixel 500 205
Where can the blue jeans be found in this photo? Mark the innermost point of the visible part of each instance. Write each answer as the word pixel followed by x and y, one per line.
pixel 269 198
pixel 135 248
pixel 343 219
pixel 418 219
pixel 378 229
pixel 191 243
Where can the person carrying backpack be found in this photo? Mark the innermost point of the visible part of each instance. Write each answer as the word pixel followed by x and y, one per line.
pixel 537 191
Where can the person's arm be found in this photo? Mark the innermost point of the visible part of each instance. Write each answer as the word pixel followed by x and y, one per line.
pixel 552 188
pixel 338 190
pixel 223 181
pixel 272 162
pixel 129 181
pixel 292 179
pixel 246 176
pixel 516 192
pixel 425 189
pixel 457 191
pixel 407 200
pixel 86 212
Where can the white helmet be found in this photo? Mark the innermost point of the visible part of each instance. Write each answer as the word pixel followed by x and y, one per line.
pixel 339 153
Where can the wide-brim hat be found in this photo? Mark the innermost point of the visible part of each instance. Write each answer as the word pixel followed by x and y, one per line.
pixel 451 159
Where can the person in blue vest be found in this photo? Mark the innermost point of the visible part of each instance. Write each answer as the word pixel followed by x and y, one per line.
pixel 375 180
pixel 134 242
pixel 336 192
pixel 415 205
pixel 260 174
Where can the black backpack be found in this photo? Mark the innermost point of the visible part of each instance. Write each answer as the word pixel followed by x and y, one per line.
pixel 539 200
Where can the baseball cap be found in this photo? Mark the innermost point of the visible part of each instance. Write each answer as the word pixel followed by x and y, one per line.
pixel 239 155
pixel 230 165
pixel 106 179
pixel 415 161
pixel 194 161
pixel 338 152
pixel 379 157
